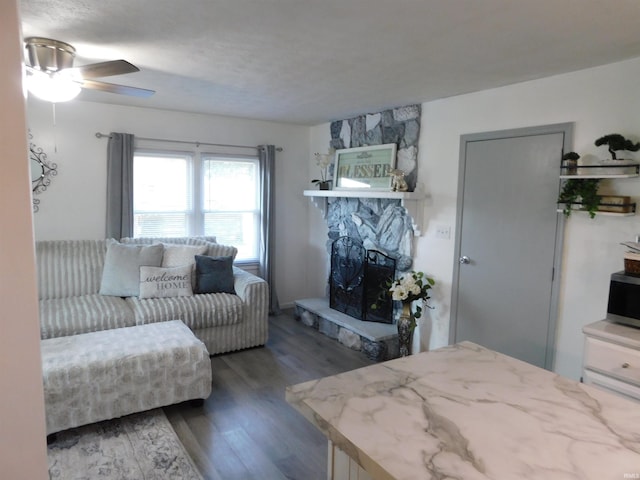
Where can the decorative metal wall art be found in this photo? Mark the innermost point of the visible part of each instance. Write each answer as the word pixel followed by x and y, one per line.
pixel 41 171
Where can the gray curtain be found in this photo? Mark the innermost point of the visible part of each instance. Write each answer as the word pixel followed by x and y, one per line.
pixel 120 185
pixel 267 157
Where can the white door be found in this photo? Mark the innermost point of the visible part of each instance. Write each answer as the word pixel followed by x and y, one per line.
pixel 507 238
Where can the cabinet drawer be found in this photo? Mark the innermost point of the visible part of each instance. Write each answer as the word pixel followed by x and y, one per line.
pixel 611 359
pixel 611 385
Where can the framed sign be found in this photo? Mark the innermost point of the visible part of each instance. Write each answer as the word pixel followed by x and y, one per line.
pixel 364 167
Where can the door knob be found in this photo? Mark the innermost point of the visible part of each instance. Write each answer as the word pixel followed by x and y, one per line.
pixel 464 260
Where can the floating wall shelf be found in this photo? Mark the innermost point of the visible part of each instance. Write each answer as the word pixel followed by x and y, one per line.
pixel 634 172
pixel 596 169
pixel 605 213
pixel 622 175
pixel 413 202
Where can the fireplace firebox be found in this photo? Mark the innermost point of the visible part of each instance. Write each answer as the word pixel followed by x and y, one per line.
pixel 359 279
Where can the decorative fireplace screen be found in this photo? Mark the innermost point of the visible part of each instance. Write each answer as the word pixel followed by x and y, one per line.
pixel 359 279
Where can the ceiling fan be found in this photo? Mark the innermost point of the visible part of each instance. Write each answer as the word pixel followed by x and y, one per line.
pixel 52 76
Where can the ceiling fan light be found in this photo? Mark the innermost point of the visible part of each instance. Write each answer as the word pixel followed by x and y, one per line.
pixel 53 88
pixel 49 55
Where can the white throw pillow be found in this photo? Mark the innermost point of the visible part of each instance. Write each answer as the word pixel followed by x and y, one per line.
pixel 178 255
pixel 121 272
pixel 162 282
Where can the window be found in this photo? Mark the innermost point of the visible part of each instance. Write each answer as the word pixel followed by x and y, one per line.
pixel 231 203
pixel 182 194
pixel 162 195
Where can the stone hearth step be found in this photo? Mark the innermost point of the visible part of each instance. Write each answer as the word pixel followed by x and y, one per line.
pixel 378 341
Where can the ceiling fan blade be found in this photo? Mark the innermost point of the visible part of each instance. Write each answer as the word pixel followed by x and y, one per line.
pixel 105 69
pixel 113 88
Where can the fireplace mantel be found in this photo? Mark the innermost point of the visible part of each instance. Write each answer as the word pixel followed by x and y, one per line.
pixel 413 202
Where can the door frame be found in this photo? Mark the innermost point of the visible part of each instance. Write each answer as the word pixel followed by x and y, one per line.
pixel 567 130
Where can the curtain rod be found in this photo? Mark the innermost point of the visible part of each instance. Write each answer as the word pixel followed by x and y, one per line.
pixel 196 143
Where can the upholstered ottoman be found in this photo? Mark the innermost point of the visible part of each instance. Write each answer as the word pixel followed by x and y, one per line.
pixel 107 374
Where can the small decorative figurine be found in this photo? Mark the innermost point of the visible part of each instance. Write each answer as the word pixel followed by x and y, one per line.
pixel 398 183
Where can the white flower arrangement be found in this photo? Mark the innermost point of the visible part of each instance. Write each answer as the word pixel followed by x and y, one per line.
pixel 406 289
pixel 411 287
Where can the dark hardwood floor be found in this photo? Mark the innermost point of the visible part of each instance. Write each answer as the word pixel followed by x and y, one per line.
pixel 246 430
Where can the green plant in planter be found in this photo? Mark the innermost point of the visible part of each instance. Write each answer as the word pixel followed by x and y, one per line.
pixel 616 142
pixel 583 191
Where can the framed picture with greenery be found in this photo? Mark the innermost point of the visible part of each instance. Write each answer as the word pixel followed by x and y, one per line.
pixel 364 167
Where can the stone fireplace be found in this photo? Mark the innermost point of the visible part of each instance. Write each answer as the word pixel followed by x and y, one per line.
pixel 385 222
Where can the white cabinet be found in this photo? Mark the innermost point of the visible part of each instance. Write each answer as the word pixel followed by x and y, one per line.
pixel 342 467
pixel 612 358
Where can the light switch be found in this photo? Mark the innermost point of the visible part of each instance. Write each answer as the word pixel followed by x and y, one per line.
pixel 443 232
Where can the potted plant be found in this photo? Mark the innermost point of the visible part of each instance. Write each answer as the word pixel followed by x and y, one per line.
pixel 582 191
pixel 323 160
pixel 570 162
pixel 615 143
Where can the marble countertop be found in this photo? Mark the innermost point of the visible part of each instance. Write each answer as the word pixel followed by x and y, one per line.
pixel 466 412
pixel 615 332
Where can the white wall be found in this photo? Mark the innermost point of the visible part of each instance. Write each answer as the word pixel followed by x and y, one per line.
pixel 599 101
pixel 74 205
pixel 22 424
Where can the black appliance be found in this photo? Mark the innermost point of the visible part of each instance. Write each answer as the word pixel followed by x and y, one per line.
pixel 624 299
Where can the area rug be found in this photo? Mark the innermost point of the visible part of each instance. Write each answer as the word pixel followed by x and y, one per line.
pixel 143 446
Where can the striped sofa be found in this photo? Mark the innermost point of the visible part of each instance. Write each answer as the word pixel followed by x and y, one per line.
pixel 69 277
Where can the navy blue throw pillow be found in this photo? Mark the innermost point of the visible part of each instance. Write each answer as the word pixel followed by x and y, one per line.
pixel 214 274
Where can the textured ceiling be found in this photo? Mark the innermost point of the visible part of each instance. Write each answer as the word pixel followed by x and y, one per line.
pixel 312 61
